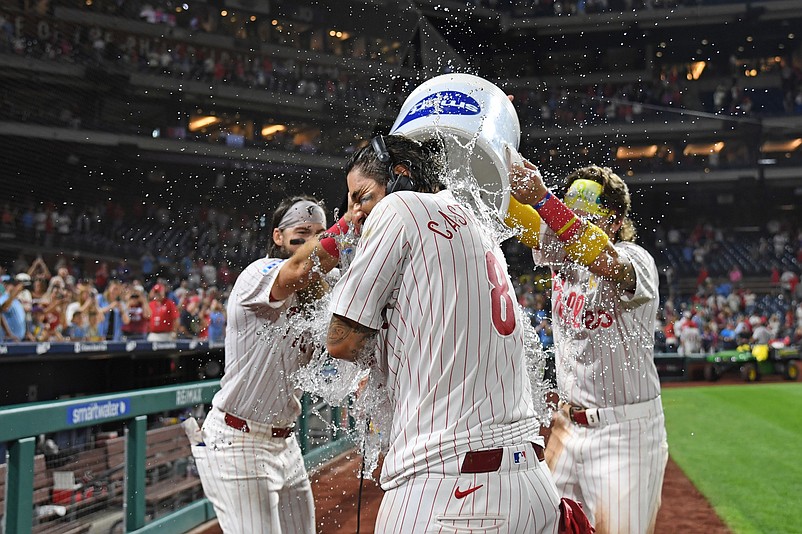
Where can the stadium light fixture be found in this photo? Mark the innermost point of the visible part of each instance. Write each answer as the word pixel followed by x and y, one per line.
pixel 696 69
pixel 636 152
pixel 202 122
pixel 787 145
pixel 273 129
pixel 703 149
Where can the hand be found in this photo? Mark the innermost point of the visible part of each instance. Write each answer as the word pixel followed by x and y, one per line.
pixel 526 183
pixel 355 217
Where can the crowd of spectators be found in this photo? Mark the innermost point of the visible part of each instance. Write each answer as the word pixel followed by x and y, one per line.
pixel 162 297
pixel 116 51
pixel 251 27
pixel 119 53
pixel 37 305
pixel 712 310
pixel 551 8
pixel 725 316
pixel 707 250
pixel 169 240
pixel 717 317
pixel 599 104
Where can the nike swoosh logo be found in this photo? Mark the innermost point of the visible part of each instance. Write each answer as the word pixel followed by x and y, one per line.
pixel 462 494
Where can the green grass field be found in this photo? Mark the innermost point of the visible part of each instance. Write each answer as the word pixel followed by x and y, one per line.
pixel 741 446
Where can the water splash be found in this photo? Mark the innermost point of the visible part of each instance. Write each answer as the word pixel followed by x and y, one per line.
pixel 360 386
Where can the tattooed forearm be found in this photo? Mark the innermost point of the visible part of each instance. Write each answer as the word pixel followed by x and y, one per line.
pixel 346 338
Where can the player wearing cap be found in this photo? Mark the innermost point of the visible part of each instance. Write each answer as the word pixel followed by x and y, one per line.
pixel 608 445
pixel 432 288
pixel 249 461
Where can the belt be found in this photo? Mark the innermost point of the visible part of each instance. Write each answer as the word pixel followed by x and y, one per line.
pixel 241 424
pixel 490 460
pixel 614 414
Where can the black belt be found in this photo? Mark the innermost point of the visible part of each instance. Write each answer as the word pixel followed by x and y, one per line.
pixel 241 424
pixel 490 460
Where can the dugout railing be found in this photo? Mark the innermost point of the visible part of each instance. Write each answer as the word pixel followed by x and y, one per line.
pixel 21 424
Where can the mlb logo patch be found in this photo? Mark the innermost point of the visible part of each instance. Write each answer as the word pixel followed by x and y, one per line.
pixel 519 457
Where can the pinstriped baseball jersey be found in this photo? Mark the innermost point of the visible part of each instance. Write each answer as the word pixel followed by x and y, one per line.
pixel 260 358
pixel 452 351
pixel 604 340
pixel 604 343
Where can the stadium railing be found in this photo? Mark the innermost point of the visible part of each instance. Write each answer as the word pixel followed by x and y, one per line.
pixel 21 424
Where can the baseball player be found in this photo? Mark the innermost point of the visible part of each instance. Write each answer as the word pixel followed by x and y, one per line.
pixel 248 459
pixel 432 290
pixel 608 445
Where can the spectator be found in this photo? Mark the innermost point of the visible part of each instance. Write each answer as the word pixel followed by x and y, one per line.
pixel 24 296
pixel 216 322
pixel 13 326
pixel 113 314
pixel 38 291
pixel 736 276
pixel 77 331
pixel 38 329
pixel 189 316
pixel 163 315
pixel 138 312
pixel 83 304
pixel 788 282
pixel 761 335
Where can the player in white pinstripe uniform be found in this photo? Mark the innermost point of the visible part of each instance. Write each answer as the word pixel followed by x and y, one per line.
pixel 249 461
pixel 430 286
pixel 608 445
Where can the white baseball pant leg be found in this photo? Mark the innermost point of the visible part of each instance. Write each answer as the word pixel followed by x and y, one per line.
pixel 257 483
pixel 615 471
pixel 518 498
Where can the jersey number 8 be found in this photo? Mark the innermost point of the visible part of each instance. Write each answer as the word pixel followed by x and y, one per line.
pixel 503 313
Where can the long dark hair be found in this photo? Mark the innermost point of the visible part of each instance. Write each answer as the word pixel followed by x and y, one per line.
pixel 423 159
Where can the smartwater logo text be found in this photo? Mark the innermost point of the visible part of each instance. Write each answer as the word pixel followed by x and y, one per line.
pixel 443 103
pixel 95 411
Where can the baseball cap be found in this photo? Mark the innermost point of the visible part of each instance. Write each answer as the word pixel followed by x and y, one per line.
pixel 158 287
pixel 5 278
pixel 24 278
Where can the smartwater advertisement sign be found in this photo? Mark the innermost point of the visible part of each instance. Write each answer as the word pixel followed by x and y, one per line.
pixel 97 411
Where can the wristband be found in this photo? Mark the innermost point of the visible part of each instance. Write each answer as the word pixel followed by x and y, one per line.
pixel 588 246
pixel 559 217
pixel 526 218
pixel 542 201
pixel 328 242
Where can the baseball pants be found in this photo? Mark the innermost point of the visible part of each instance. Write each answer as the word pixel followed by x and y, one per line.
pixel 256 482
pixel 615 470
pixel 519 497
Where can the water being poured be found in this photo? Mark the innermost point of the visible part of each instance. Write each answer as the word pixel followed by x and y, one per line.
pixel 361 386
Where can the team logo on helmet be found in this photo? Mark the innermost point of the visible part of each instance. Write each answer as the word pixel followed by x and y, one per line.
pixel 443 103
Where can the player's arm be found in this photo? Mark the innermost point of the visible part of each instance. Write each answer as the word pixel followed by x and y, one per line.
pixel 346 338
pixel 584 242
pixel 299 271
